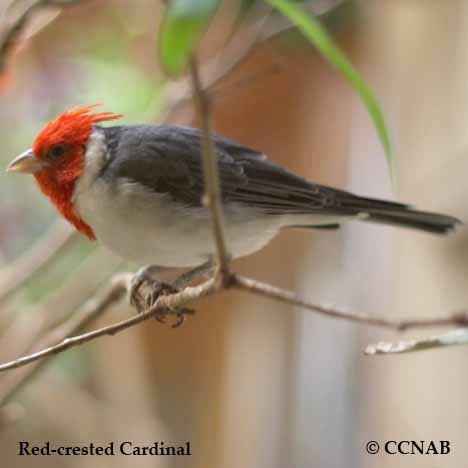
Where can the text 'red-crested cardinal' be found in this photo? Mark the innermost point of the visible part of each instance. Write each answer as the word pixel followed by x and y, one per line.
pixel 138 189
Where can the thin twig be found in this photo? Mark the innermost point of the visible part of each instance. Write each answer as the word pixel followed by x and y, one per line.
pixel 172 303
pixel 57 238
pixel 453 338
pixel 212 194
pixel 93 308
pixel 288 297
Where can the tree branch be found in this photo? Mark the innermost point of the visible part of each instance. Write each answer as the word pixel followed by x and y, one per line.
pixel 212 195
pixel 95 307
pixel 60 339
pixel 267 290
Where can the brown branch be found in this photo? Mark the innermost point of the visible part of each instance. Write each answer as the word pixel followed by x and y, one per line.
pixel 59 340
pixel 12 277
pixel 212 195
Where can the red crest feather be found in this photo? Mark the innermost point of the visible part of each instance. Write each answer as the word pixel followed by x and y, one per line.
pixel 72 127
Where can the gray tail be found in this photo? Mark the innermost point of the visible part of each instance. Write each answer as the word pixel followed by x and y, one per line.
pixel 403 215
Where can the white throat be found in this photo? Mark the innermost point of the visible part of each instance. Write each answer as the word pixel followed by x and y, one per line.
pixel 95 158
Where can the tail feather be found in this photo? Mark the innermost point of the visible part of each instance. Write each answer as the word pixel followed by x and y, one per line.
pixel 399 214
pixel 422 220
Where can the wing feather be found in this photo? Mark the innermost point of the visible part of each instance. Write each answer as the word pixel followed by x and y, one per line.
pixel 167 159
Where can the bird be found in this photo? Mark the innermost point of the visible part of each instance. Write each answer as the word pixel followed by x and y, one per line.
pixel 138 190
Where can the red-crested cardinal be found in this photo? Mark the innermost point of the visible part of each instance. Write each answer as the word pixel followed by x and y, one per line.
pixel 138 189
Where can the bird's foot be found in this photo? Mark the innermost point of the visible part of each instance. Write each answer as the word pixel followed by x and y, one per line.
pixel 164 289
pixel 154 289
pixel 141 278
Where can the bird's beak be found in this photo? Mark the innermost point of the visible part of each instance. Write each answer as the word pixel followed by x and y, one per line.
pixel 26 162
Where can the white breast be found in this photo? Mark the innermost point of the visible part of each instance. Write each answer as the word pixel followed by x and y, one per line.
pixel 149 228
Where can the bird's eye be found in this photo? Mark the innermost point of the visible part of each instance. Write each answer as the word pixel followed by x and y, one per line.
pixel 56 152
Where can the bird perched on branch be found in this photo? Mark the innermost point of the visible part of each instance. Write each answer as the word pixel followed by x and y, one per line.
pixel 138 190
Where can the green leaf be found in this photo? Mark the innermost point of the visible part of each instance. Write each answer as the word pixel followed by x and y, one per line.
pixel 318 36
pixel 182 27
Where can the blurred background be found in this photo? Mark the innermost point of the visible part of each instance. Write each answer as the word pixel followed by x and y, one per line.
pixel 248 381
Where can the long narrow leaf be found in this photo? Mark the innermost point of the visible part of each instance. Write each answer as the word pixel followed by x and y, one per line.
pixel 318 36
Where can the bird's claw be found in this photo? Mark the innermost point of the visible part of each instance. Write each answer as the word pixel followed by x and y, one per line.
pixel 157 288
pixel 182 316
pixel 163 289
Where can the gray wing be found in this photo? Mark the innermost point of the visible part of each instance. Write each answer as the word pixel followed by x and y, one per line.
pixel 167 159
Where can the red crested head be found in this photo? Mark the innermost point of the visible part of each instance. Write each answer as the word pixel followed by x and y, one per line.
pixel 70 131
pixel 59 150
